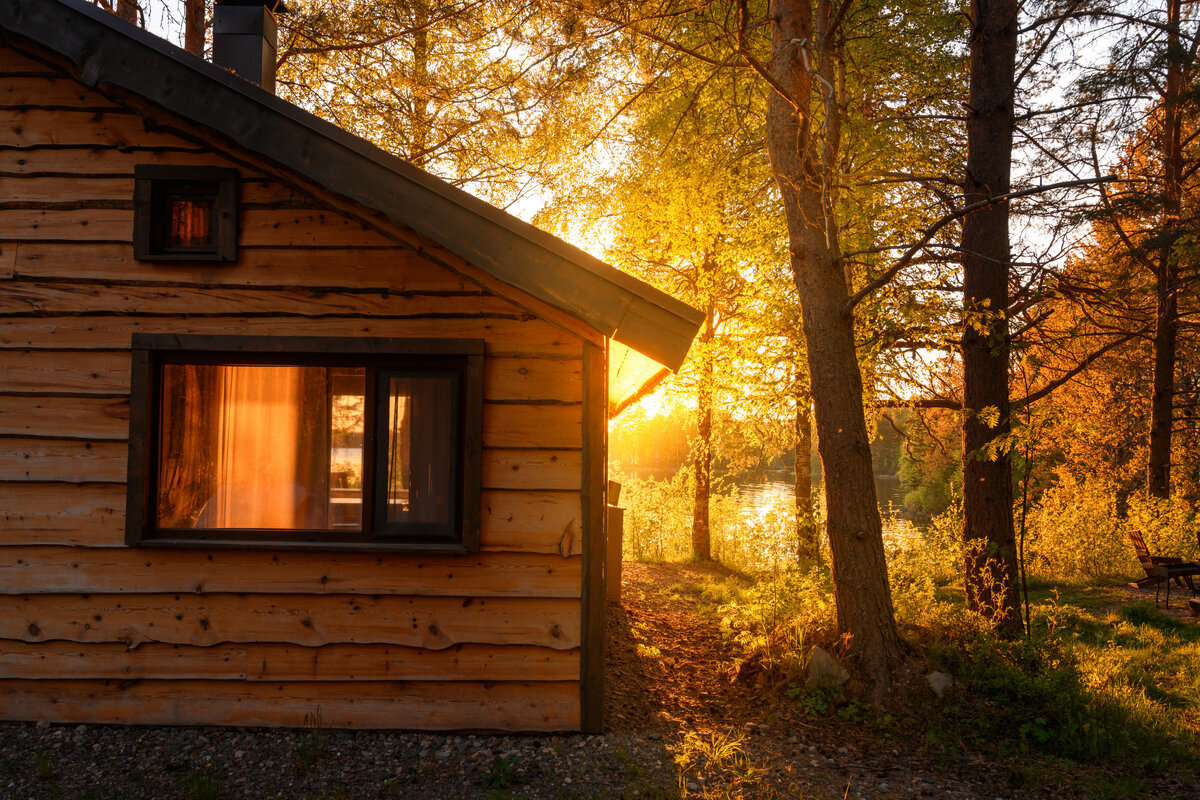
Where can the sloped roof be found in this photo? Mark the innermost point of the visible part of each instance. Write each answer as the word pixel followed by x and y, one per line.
pixel 108 50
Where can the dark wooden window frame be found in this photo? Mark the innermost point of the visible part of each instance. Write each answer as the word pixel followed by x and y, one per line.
pixel 153 184
pixel 462 356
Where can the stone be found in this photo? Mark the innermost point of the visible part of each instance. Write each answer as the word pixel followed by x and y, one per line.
pixel 824 672
pixel 940 683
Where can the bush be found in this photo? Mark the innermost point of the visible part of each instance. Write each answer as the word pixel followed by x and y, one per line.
pixel 658 525
pixel 1169 526
pixel 658 517
pixel 1076 531
pixel 773 618
pixel 934 554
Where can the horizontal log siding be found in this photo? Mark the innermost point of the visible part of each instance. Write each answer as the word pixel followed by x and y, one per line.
pixel 281 662
pixel 35 569
pixel 93 515
pixel 419 705
pixel 93 631
pixel 81 461
pixel 433 623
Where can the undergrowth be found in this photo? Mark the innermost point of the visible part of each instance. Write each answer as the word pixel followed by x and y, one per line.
pixel 658 524
pixel 1095 690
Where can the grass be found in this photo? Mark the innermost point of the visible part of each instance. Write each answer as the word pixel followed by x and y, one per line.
pixel 1091 686
pixel 314 742
pixel 718 767
pixel 44 770
pixel 501 773
pixel 201 783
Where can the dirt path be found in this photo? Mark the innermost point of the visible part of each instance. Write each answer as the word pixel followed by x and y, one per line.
pixel 670 671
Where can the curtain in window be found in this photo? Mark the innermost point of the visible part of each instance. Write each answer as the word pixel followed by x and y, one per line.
pixel 253 439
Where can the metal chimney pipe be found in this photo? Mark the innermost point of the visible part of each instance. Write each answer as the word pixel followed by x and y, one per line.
pixel 245 37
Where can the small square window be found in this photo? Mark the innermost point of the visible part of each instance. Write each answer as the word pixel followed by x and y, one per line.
pixel 184 213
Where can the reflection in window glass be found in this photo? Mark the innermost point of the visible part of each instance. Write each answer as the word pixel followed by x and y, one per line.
pixel 190 222
pixel 420 479
pixel 269 447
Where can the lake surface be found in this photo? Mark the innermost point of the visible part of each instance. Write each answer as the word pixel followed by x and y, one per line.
pixel 758 497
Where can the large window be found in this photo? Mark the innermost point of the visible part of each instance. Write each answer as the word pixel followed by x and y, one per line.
pixel 307 442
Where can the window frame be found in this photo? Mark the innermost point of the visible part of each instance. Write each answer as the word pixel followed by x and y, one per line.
pixel 378 355
pixel 151 186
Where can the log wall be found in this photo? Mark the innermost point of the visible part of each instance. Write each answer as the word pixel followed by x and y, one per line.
pixel 94 631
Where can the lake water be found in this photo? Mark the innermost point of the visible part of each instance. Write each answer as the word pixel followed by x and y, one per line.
pixel 758 497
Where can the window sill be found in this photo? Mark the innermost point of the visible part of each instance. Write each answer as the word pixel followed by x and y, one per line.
pixel 325 546
pixel 207 256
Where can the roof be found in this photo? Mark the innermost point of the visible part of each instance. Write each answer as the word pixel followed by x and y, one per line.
pixel 108 50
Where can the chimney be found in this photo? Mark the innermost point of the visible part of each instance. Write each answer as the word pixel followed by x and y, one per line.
pixel 244 37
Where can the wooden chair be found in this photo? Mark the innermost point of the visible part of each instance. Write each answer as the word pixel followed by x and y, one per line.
pixel 1163 569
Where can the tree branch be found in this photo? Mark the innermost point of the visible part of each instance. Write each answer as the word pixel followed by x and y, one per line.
pixel 933 229
pixel 1071 373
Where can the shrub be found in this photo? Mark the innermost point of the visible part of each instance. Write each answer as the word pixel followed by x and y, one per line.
pixel 1076 531
pixel 658 525
pixel 772 618
pixel 1169 526
pixel 658 517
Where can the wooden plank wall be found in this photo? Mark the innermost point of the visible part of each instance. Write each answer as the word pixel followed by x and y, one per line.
pixel 93 631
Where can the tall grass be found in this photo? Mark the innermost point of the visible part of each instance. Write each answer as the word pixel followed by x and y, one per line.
pixel 658 524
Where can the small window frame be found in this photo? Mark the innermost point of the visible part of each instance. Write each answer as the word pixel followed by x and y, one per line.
pixel 463 357
pixel 154 183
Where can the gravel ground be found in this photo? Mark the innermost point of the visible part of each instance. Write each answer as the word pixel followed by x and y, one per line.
pixel 100 762
pixel 110 762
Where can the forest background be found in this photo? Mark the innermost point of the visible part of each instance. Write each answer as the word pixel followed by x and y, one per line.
pixel 960 237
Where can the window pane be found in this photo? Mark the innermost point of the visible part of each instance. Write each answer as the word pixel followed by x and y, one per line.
pixel 190 223
pixel 421 449
pixel 346 451
pixel 276 447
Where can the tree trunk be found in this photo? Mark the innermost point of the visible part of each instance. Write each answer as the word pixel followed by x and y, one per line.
pixel 419 123
pixel 128 10
pixel 1166 326
pixel 193 27
pixel 988 537
pixel 805 169
pixel 808 546
pixel 1162 412
pixel 702 446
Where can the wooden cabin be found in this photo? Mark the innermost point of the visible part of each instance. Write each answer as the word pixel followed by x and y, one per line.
pixel 287 425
